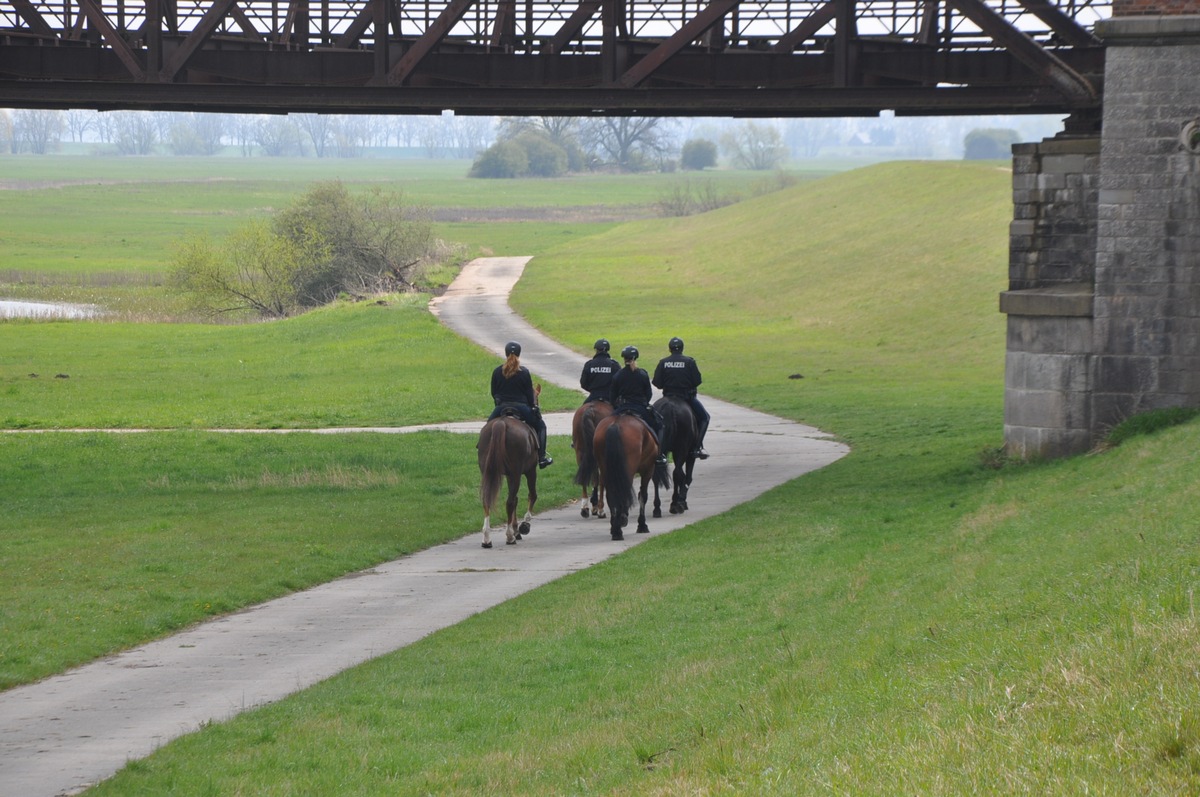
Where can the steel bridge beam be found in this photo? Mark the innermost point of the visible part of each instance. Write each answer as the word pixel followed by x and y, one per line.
pixel 617 57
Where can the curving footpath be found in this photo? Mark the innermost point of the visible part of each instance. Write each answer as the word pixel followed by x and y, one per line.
pixel 60 735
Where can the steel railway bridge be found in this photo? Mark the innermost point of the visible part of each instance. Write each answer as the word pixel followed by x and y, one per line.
pixel 752 58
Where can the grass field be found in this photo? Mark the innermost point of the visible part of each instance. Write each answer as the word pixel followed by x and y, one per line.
pixel 918 618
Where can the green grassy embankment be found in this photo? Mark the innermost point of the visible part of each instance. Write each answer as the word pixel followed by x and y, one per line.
pixel 909 620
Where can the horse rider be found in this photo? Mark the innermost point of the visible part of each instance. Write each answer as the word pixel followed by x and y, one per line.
pixel 512 388
pixel 630 393
pixel 677 376
pixel 598 373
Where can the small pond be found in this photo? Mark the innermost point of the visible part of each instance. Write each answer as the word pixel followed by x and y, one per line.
pixel 10 308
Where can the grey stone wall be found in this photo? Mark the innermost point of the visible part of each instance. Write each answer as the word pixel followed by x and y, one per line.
pixel 1147 308
pixel 1104 269
pixel 1052 251
pixel 1052 238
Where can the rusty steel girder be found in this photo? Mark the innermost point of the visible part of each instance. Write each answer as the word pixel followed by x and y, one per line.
pixel 622 57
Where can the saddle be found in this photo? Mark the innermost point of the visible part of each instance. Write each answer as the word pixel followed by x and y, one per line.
pixel 511 411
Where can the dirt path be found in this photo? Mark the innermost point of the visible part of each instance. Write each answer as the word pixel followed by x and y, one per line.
pixel 60 735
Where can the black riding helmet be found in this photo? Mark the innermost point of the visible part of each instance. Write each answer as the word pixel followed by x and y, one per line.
pixel 601 346
pixel 675 345
pixel 512 347
pixel 629 353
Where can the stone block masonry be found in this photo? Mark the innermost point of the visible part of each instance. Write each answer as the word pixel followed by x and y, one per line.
pixel 1104 258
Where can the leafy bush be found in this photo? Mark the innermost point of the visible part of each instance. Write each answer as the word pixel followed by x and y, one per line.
pixel 326 244
pixel 989 143
pixel 698 154
pixel 546 159
pixel 502 159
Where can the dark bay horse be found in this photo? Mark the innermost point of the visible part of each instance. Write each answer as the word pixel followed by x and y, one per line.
pixel 680 440
pixel 583 430
pixel 625 447
pixel 508 449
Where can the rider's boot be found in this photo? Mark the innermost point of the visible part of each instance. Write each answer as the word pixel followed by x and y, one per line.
pixel 545 460
pixel 700 452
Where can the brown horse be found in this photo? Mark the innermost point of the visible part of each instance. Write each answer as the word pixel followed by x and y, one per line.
pixel 583 430
pixel 508 449
pixel 625 446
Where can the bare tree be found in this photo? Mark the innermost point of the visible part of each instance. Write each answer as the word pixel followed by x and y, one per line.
pixel 37 131
pixel 755 146
pixel 244 130
pixel 319 128
pixel 7 142
pixel 407 130
pixel 196 133
pixel 135 132
pixel 352 135
pixel 432 135
pixel 105 128
pixel 277 136
pixel 79 122
pixel 631 142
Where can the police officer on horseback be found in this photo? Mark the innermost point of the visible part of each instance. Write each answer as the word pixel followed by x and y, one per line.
pixel 598 374
pixel 631 394
pixel 512 389
pixel 677 376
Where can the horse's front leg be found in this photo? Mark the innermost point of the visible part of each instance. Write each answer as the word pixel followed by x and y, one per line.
pixel 643 494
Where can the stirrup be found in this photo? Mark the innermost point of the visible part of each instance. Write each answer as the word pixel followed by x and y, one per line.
pixel 546 461
pixel 701 453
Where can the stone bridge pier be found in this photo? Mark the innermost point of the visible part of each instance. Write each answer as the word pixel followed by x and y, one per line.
pixel 1103 303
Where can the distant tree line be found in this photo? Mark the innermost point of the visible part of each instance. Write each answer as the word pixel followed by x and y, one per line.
pixel 523 146
pixel 294 135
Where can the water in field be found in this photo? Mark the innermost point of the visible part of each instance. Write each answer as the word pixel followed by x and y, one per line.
pixel 16 309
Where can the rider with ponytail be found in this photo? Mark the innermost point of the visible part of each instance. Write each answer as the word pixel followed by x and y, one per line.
pixel 512 388
pixel 631 394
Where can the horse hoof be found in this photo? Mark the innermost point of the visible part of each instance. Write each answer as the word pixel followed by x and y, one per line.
pixel 643 530
pixel 676 509
pixel 512 541
pixel 487 545
pixel 523 530
pixel 583 512
pixel 658 513
pixel 618 536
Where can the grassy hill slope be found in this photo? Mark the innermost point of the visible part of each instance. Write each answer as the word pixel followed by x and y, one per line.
pixel 909 620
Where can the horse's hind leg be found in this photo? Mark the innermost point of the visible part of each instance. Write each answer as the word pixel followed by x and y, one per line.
pixel 487 531
pixel 642 496
pixel 531 481
pixel 658 504
pixel 510 507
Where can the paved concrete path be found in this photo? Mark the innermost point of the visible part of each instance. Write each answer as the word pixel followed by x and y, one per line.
pixel 67 732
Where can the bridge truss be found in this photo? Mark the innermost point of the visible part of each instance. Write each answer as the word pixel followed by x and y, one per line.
pixel 749 58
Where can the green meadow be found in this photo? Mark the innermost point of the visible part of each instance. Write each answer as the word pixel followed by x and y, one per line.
pixel 921 617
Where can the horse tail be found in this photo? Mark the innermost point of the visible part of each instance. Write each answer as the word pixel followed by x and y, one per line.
pixel 662 475
pixel 618 481
pixel 492 463
pixel 587 457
